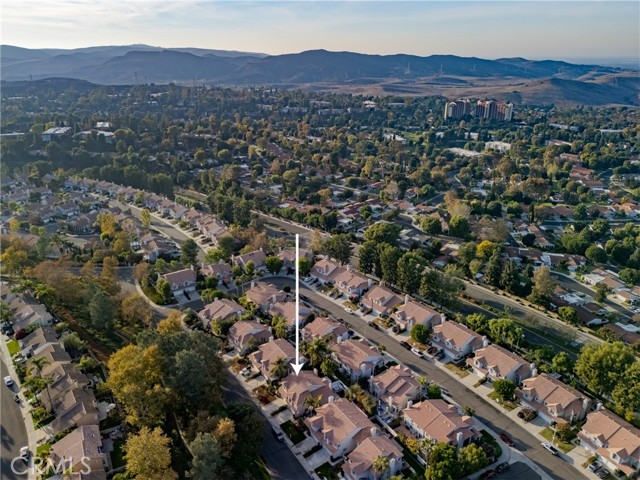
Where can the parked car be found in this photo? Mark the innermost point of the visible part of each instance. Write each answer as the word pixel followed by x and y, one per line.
pixel 25 454
pixel 278 434
pixel 527 414
pixel 348 310
pixel 405 345
pixel 505 438
pixel 550 448
pixel 8 381
pixel 593 466
pixel 503 467
pixel 432 351
pixel 246 371
pixel 602 473
pixel 373 325
pixel 417 352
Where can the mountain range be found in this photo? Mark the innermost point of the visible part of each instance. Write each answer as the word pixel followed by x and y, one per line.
pixel 517 79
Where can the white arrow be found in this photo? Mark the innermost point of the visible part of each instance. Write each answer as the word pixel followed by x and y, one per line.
pixel 298 365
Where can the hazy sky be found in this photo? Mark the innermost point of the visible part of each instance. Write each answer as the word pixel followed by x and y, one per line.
pixel 530 29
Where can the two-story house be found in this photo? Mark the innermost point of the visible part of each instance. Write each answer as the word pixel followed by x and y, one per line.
pixel 325 270
pixel 339 426
pixel 359 463
pixel 287 310
pixel 356 358
pixel 257 258
pixel 81 451
pixel 181 281
pixel 295 389
pixel 554 400
pixel 381 300
pixel 352 284
pixel 412 313
pixel 269 354
pixel 247 334
pixel 395 388
pixel 456 340
pixel 325 328
pixel 221 309
pixel 495 362
pixel 615 441
pixel 437 420
pixel 220 270
pixel 265 295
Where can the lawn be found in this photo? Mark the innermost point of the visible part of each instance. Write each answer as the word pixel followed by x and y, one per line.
pixel 506 404
pixel 329 472
pixel 457 370
pixel 43 449
pixel 116 453
pixel 263 395
pixel 564 446
pixel 292 432
pixel 14 347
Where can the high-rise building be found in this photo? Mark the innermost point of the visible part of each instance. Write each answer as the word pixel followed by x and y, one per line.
pixel 492 110
pixel 457 109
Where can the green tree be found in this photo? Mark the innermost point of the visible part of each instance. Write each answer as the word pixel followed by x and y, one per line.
pixel 207 457
pixel 562 364
pixel 339 247
pixel 569 315
pixel 596 254
pixel 304 265
pixel 389 257
pixel 472 458
pixel 109 276
pixel 280 327
pixel 434 392
pixel 459 227
pixel 145 216
pixel 189 252
pixel 273 264
pixel 602 367
pixel 409 272
pixel 316 351
pixel 280 368
pixel 420 333
pixel 102 310
pixel 543 287
pixel 504 388
pixel 368 257
pixel 626 394
pixel 504 330
pixel 431 225
pixel 494 270
pixel 601 293
pixel 329 367
pixel 441 288
pixel 148 456
pixel 383 233
pixel 380 466
pixel 510 277
pixel 443 463
pixel 478 322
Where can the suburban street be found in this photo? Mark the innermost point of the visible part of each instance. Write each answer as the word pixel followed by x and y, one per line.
pixel 486 412
pixel 14 433
pixel 281 462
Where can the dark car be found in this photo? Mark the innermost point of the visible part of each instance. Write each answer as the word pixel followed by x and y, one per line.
pixel 373 325
pixel 405 345
pixel 503 467
pixel 505 438
pixel 488 475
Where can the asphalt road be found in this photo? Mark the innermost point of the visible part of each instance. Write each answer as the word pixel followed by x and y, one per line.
pixel 281 462
pixel 14 433
pixel 489 414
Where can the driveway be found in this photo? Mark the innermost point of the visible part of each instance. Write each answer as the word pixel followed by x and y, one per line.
pixel 487 413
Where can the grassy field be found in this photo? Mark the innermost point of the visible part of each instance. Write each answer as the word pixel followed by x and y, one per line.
pixel 292 432
pixel 564 446
pixel 13 346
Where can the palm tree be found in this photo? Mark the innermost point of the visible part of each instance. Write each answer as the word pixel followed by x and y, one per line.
pixel 37 364
pixel 280 327
pixel 354 392
pixel 316 351
pixel 329 367
pixel 280 368
pixel 380 466
pixel 312 403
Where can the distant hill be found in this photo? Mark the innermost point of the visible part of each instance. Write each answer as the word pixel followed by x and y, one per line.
pixel 319 69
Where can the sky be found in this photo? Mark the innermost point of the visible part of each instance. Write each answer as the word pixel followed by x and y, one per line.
pixel 531 29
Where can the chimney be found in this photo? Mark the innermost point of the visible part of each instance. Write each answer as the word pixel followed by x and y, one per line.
pixel 534 370
pixel 409 404
pixel 374 432
pixel 459 439
pixel 485 341
pixel 406 298
pixel 253 283
pixel 331 399
pixel 348 267
pixel 599 406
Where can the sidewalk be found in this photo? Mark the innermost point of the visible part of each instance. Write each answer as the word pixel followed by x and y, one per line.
pixel 34 437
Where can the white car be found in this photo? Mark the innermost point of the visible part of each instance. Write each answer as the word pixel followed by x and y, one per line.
pixel 417 352
pixel 550 448
pixel 348 310
pixel 25 454
pixel 8 381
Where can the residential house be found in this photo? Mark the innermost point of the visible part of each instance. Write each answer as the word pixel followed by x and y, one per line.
pixel 181 281
pixel 615 441
pixel 288 256
pixel 381 300
pixel 54 355
pixel 245 334
pixel 437 420
pixel 287 310
pixel 351 283
pixel 264 295
pixel 359 463
pixel 39 337
pixel 257 258
pixel 269 353
pixel 339 426
pixel 75 408
pixel 395 388
pixel 629 334
pixel 495 363
pixel 413 313
pixel 456 340
pixel 356 358
pixel 323 327
pixel 325 270
pixel 220 309
pixel 220 270
pixel 81 452
pixel 295 389
pixel 554 400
